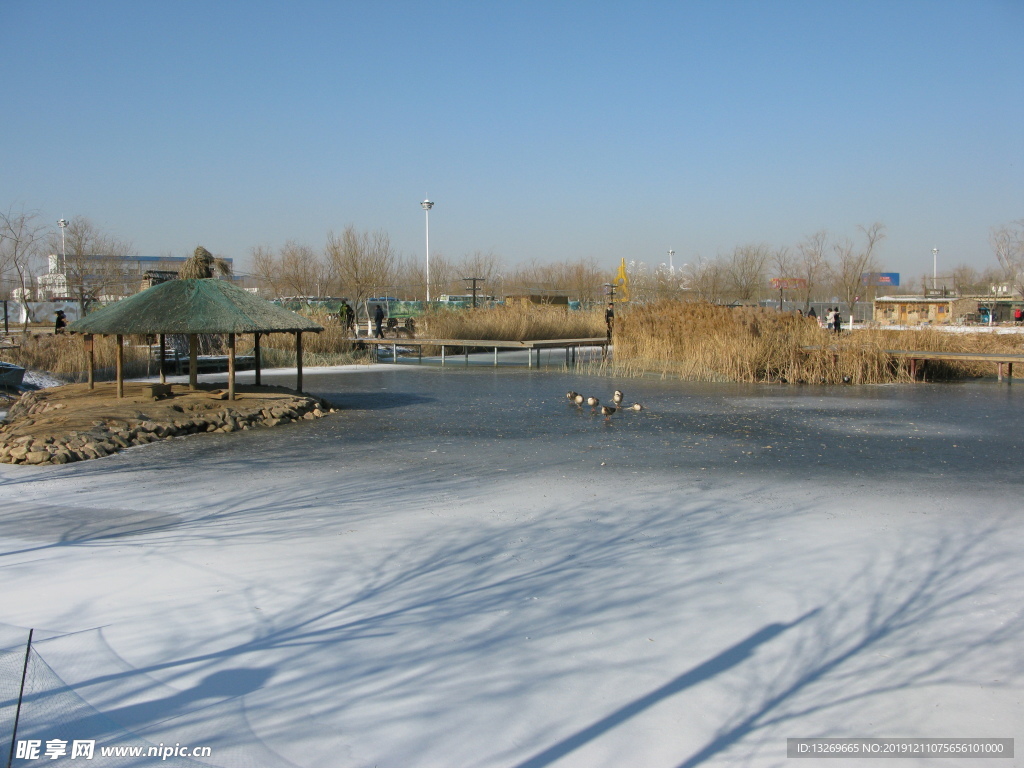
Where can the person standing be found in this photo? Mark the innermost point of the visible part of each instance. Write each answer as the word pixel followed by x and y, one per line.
pixel 838 321
pixel 378 320
pixel 609 318
pixel 350 318
pixel 61 323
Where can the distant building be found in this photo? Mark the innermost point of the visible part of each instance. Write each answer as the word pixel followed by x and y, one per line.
pixel 944 309
pixel 153 277
pixel 556 298
pixel 113 277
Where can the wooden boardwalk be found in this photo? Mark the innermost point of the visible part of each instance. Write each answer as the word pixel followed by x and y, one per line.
pixel 571 346
pixel 915 357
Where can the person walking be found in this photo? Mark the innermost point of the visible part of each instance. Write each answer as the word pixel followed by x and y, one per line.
pixel 61 322
pixel 378 320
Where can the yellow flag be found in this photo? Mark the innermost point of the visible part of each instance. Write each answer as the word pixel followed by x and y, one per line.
pixel 622 281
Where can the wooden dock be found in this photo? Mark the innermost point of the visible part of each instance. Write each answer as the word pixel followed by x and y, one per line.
pixel 571 346
pixel 914 357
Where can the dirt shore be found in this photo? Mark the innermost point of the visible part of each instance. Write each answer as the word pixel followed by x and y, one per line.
pixel 74 423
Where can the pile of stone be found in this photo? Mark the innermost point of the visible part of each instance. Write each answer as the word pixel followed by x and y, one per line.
pixel 113 435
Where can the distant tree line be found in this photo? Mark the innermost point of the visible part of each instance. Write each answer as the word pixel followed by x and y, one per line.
pixel 361 264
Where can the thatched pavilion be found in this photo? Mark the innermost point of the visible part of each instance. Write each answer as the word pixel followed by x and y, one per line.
pixel 193 307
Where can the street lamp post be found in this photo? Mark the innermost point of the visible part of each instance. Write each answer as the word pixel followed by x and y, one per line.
pixel 63 223
pixel 427 205
pixel 935 268
pixel 671 253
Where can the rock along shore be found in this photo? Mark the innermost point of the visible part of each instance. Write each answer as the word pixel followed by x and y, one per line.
pixel 72 423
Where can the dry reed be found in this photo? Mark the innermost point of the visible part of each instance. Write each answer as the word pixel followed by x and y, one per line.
pixel 64 357
pixel 704 342
pixel 331 346
pixel 514 323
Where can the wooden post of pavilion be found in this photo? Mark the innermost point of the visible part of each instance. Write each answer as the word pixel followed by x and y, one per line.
pixel 231 366
pixel 193 361
pixel 120 365
pixel 298 361
pixel 91 357
pixel 256 355
pixel 163 359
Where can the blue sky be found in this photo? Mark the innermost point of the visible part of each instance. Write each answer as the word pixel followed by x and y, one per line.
pixel 542 130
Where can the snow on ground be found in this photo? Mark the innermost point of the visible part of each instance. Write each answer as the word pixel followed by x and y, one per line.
pixel 461 569
pixel 997 329
pixel 40 380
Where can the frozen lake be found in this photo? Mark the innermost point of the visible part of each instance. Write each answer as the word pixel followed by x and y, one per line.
pixel 462 569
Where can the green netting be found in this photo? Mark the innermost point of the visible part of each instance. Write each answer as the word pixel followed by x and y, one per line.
pixel 192 306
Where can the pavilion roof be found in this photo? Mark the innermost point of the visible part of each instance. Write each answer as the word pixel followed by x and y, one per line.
pixel 192 306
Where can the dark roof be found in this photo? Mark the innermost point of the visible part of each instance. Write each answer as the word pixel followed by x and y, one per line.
pixel 192 306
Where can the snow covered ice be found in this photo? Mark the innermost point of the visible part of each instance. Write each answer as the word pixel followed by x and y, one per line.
pixel 463 569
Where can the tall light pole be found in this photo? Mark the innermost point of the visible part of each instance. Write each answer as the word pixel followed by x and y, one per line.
pixel 63 223
pixel 935 267
pixel 671 253
pixel 427 205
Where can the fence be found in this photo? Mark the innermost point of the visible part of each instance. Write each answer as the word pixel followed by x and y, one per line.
pixel 49 712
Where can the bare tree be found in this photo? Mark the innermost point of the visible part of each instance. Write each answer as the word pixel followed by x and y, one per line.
pixel 707 280
pixel 851 264
pixel 483 264
pixel 20 234
pixel 361 262
pixel 267 271
pixel 297 270
pixel 745 270
pixel 1008 244
pixel 94 262
pixel 811 264
pixel 782 263
pixel 968 281
pixel 585 281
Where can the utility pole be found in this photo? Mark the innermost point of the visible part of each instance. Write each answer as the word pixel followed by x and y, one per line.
pixel 475 281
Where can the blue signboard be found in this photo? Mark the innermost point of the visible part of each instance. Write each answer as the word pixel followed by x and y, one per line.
pixel 880 278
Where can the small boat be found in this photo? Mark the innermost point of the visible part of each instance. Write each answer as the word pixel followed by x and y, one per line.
pixel 11 375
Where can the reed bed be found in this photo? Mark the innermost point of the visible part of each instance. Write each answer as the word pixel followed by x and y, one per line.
pixel 331 346
pixel 515 323
pixel 63 356
pixel 705 342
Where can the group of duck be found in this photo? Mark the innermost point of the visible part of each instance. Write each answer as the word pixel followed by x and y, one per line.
pixel 606 410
